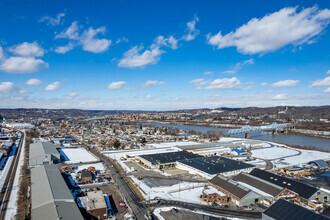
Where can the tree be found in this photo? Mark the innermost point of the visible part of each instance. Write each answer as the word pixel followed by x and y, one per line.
pixel 116 144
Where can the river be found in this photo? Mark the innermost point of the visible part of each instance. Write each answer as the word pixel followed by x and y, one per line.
pixel 290 139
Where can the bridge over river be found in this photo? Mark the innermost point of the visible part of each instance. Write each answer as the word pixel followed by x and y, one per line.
pixel 274 127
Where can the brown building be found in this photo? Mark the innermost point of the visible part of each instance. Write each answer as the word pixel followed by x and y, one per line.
pixel 94 205
pixel 211 194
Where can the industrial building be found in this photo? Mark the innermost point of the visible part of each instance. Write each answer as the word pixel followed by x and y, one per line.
pixel 50 196
pixel 236 193
pixel 304 191
pixel 282 209
pixel 94 204
pixel 43 153
pixel 208 167
pixel 164 160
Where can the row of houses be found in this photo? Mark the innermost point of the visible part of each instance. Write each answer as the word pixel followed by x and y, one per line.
pixel 262 187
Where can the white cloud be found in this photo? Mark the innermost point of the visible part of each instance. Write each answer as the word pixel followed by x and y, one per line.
pixel 6 87
pixel 64 49
pixel 116 85
pixel 274 31
pixel 133 58
pixel 121 40
pixel 328 72
pixel 152 83
pixel 52 21
pixel 33 82
pixel 71 32
pixel 173 42
pixel 23 92
pixel 71 95
pixel 279 97
pixel 322 82
pixel 53 86
pixel 223 84
pixel 198 82
pixel 28 50
pixel 22 65
pixel 91 43
pixel 208 73
pixel 327 90
pixel 264 84
pixel 285 83
pixel 148 97
pixel 239 65
pixel 191 30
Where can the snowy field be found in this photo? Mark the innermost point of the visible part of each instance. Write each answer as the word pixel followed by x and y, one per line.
pixel 157 212
pixel 78 155
pixel 184 191
pixel 172 144
pixel 283 156
pixel 274 152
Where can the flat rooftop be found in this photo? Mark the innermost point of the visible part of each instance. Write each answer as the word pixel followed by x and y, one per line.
pixel 215 165
pixel 169 157
pixel 93 200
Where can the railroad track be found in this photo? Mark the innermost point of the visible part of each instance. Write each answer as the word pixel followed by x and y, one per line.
pixel 9 181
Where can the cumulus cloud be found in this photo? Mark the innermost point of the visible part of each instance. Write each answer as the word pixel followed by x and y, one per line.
pixel 53 86
pixel 279 97
pixel 6 87
pixel 87 39
pixel 191 30
pixel 134 58
pixel 91 43
pixel 150 83
pixel 208 72
pixel 72 32
pixel 52 21
pixel 116 85
pixel 274 31
pixel 27 50
pixel 224 84
pixel 2 55
pixel 264 84
pixel 22 65
pixel 328 72
pixel 285 83
pixel 33 82
pixel 64 49
pixel 327 90
pixel 322 82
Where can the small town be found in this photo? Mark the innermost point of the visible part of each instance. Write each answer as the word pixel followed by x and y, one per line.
pixel 123 166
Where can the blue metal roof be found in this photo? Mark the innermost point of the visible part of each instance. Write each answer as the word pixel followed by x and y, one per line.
pixel 238 151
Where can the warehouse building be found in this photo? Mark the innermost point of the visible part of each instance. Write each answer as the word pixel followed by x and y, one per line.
pixel 50 196
pixel 236 193
pixel 94 205
pixel 164 160
pixel 209 167
pixel 43 153
pixel 304 191
pixel 282 209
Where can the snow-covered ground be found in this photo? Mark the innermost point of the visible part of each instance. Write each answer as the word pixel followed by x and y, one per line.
pixel 98 166
pixel 12 204
pixel 78 155
pixel 274 152
pixel 282 156
pixel 157 212
pixel 172 144
pixel 183 191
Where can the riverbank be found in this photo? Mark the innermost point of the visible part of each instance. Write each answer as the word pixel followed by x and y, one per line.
pixel 311 133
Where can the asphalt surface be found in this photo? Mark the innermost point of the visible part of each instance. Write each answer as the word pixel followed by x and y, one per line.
pixel 138 208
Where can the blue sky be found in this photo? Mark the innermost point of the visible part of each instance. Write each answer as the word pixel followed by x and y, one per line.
pixel 163 55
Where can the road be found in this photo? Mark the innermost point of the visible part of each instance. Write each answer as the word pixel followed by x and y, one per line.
pixel 9 181
pixel 139 210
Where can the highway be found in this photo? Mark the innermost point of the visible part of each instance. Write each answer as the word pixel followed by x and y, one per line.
pixel 9 181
